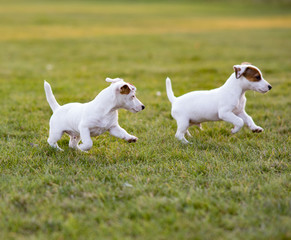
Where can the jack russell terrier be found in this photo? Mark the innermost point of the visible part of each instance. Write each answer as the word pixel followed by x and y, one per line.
pixel 81 121
pixel 226 103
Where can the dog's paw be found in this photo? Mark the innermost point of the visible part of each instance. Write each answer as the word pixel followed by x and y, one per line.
pixel 132 139
pixel 84 148
pixel 185 141
pixel 257 129
pixel 235 130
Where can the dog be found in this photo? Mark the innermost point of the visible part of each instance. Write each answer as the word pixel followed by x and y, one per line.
pixel 225 103
pixel 81 121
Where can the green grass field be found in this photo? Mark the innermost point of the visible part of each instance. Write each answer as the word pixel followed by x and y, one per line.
pixel 222 186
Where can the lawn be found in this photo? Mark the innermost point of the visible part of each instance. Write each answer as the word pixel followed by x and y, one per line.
pixel 222 186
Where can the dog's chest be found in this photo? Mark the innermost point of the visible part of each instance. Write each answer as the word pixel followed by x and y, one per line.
pixel 239 106
pixel 98 126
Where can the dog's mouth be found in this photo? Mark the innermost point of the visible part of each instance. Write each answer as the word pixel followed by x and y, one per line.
pixel 260 90
pixel 138 109
pixel 263 91
pixel 133 110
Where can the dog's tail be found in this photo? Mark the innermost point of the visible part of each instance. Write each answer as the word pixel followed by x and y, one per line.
pixel 169 90
pixel 50 96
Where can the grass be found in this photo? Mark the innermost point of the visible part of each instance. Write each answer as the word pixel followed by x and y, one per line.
pixel 222 186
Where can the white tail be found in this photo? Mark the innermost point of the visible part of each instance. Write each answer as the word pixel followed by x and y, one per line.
pixel 50 96
pixel 169 90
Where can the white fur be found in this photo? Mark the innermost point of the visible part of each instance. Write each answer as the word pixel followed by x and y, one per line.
pixel 81 121
pixel 225 103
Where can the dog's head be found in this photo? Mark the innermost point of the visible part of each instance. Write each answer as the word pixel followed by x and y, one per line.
pixel 251 78
pixel 125 95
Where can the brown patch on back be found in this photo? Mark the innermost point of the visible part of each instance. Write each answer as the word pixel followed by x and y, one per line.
pixel 125 89
pixel 252 74
pixel 246 63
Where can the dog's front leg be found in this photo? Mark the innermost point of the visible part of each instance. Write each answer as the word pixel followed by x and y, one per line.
pixel 119 132
pixel 250 122
pixel 230 117
pixel 87 142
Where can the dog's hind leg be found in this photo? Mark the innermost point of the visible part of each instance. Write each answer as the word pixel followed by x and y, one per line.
pixel 196 124
pixel 53 138
pixel 87 142
pixel 182 129
pixel 74 140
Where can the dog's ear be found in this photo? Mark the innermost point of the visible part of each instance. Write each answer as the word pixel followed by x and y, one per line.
pixel 239 70
pixel 125 89
pixel 113 80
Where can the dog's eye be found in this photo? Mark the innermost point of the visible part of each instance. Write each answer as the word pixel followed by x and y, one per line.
pixel 258 77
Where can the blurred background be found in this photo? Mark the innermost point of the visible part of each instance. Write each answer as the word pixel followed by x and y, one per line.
pixel 222 186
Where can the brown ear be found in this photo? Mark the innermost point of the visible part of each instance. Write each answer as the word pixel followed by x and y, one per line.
pixel 125 89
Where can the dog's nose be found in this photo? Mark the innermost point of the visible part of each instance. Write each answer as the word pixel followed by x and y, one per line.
pixel 270 87
pixel 142 107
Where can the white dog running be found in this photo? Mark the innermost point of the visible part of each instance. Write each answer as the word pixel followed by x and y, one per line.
pixel 81 121
pixel 226 103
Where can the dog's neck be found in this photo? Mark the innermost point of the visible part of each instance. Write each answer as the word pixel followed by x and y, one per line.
pixel 105 101
pixel 233 86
